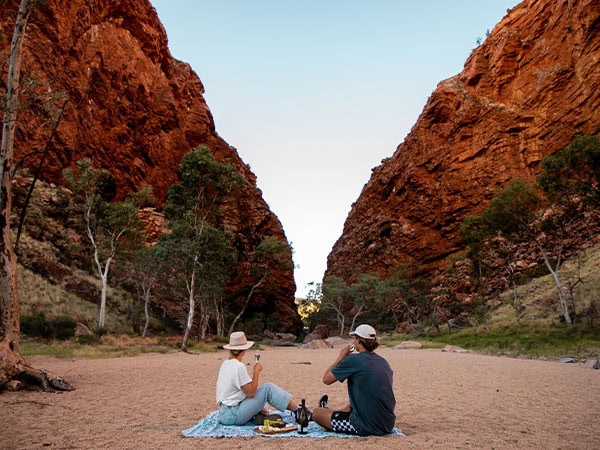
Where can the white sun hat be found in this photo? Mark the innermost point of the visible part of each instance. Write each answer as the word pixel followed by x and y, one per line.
pixel 238 341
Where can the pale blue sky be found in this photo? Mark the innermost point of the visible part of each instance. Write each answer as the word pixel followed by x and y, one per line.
pixel 313 94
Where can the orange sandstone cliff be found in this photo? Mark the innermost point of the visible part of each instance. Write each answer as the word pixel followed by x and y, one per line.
pixel 523 94
pixel 132 109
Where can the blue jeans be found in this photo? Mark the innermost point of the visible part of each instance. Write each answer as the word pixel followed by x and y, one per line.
pixel 241 413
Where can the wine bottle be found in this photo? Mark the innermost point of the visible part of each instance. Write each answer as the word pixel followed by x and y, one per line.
pixel 302 417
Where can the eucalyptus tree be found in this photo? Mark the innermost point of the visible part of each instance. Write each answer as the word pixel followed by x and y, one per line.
pixel 109 226
pixel 405 297
pixel 521 213
pixel 365 296
pixel 271 253
pixel 335 299
pixel 198 245
pixel 198 262
pixel 574 172
pixel 14 369
pixel 145 268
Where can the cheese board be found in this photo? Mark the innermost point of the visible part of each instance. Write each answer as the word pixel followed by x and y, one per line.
pixel 268 429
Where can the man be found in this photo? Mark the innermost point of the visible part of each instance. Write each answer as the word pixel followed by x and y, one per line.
pixel 372 401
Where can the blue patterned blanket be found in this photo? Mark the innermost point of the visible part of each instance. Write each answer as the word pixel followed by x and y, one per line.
pixel 210 427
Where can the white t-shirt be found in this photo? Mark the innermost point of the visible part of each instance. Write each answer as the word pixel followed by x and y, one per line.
pixel 232 376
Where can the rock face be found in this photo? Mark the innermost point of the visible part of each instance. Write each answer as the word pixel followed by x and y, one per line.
pixel 523 94
pixel 132 109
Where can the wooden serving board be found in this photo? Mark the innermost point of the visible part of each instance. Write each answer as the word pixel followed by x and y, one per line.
pixel 276 430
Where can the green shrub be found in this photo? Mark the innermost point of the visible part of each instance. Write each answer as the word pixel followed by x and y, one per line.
pixel 35 325
pixel 255 326
pixel 63 327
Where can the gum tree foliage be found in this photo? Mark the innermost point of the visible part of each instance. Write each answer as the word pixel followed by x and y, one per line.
pixel 145 268
pixel 334 301
pixel 397 298
pixel 518 213
pixel 198 263
pixel 365 297
pixel 110 226
pixel 574 171
pixel 489 253
pixel 198 250
pixel 344 303
pixel 271 253
pixel 569 183
pixel 405 297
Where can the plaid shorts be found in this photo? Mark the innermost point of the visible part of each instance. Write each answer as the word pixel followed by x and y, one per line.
pixel 340 423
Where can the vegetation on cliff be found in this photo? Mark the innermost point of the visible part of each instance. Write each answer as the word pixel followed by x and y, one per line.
pixel 526 230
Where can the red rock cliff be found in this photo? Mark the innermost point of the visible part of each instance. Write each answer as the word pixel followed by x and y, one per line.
pixel 132 108
pixel 523 94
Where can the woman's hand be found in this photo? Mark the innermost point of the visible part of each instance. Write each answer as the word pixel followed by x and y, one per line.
pixel 250 388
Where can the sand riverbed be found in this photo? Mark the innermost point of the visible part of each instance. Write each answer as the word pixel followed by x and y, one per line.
pixel 444 400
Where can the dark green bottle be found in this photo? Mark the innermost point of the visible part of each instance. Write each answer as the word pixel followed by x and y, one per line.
pixel 302 418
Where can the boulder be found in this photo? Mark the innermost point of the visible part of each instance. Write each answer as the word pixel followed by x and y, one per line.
pixel 409 345
pixel 315 344
pixel 336 342
pixel 454 349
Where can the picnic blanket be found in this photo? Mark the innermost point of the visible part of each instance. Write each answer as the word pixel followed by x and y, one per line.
pixel 210 427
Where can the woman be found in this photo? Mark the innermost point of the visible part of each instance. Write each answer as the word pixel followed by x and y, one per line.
pixel 238 396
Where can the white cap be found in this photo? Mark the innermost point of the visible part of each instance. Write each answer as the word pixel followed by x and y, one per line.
pixel 364 331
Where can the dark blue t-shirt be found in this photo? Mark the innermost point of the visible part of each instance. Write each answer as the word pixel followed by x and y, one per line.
pixel 370 390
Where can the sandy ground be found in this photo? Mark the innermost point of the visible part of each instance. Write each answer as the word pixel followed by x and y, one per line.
pixel 444 400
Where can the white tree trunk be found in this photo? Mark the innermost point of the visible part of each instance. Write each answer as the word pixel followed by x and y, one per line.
pixel 204 316
pixel 192 307
pixel 219 316
pixel 102 272
pixel 247 302
pixel 12 364
pixel 561 293
pixel 146 310
pixel 341 320
pixel 103 290
pixel 339 314
pixel 9 294
pixel 359 312
pixel 516 303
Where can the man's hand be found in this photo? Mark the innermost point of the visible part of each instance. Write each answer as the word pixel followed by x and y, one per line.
pixel 345 351
pixel 329 377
